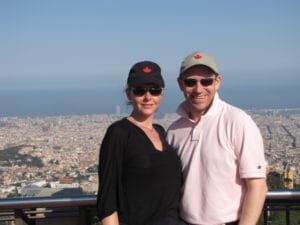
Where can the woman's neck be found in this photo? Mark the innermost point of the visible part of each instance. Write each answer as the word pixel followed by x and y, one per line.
pixel 146 122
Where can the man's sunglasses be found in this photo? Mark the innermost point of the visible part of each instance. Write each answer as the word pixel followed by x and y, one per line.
pixel 140 91
pixel 193 82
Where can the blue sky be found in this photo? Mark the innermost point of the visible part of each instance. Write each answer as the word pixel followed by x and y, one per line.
pixel 94 43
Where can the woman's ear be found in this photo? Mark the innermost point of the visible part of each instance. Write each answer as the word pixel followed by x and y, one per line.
pixel 127 91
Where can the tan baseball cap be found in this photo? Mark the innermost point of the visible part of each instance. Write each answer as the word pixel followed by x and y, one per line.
pixel 199 58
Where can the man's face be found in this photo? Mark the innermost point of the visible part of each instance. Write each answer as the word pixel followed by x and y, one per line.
pixel 199 85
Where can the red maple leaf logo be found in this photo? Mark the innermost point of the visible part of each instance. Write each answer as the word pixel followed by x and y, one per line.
pixel 147 69
pixel 197 56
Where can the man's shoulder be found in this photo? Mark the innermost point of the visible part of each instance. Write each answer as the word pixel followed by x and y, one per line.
pixel 236 116
pixel 234 112
pixel 178 123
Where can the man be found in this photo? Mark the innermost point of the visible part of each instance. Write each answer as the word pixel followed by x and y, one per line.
pixel 221 150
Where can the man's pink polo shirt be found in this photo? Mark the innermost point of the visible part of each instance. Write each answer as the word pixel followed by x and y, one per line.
pixel 217 153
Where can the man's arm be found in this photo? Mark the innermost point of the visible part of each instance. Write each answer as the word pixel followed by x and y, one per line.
pixel 112 219
pixel 254 201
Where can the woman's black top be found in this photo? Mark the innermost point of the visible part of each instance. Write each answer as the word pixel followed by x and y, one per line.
pixel 138 181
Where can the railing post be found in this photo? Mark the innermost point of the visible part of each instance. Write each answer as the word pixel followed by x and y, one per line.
pixel 21 218
pixel 266 215
pixel 287 215
pixel 83 216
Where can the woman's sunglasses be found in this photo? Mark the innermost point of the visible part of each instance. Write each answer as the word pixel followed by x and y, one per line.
pixel 193 82
pixel 140 91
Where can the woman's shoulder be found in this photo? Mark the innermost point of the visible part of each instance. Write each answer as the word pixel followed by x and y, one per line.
pixel 159 128
pixel 156 125
pixel 121 125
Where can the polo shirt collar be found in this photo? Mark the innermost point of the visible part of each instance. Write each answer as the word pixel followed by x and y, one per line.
pixel 184 111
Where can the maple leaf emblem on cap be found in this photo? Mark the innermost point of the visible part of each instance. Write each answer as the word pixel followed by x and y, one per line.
pixel 147 69
pixel 197 56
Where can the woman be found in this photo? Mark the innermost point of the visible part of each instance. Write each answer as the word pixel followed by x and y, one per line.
pixel 139 173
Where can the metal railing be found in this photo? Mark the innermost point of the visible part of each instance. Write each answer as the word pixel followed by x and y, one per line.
pixel 67 210
pixel 284 201
pixel 82 209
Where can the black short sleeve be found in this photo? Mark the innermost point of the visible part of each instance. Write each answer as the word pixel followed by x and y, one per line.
pixel 110 171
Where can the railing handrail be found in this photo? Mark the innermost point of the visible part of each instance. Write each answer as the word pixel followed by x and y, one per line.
pixel 36 202
pixel 90 200
pixel 293 195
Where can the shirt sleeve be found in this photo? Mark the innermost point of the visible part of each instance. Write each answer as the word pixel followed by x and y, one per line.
pixel 110 194
pixel 251 150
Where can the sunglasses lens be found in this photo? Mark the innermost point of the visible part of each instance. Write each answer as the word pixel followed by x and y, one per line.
pixel 190 82
pixel 140 91
pixel 204 82
pixel 207 82
pixel 155 91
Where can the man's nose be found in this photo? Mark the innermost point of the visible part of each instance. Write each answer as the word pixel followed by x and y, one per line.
pixel 199 87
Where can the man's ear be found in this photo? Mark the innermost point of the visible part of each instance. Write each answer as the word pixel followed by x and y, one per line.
pixel 218 81
pixel 180 83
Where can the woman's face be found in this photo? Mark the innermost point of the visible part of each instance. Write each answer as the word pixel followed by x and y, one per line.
pixel 145 99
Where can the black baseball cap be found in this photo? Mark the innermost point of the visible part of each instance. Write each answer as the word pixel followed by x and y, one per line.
pixel 145 72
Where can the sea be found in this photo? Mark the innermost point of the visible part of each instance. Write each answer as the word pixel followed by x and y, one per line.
pixel 54 101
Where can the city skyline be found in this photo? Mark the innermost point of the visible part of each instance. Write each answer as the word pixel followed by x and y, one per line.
pixel 38 149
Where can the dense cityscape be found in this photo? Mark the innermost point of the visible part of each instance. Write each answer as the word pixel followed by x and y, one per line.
pixel 42 156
